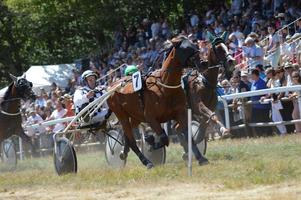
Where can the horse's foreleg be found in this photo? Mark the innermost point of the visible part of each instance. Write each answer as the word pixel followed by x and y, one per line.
pixel 28 140
pixel 163 137
pixel 183 127
pixel 131 142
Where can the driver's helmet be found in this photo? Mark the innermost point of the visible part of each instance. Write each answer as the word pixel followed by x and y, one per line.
pixel 88 73
pixel 130 69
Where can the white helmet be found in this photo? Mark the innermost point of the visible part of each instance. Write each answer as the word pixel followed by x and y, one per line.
pixel 88 73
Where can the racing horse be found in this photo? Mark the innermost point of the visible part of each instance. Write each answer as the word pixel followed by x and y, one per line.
pixel 162 99
pixel 10 115
pixel 201 87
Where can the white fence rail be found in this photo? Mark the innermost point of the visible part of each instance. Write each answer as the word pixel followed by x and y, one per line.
pixel 226 98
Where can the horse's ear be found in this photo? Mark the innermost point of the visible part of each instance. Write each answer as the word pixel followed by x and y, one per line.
pixel 224 36
pixel 13 78
pixel 175 41
pixel 210 36
pixel 23 76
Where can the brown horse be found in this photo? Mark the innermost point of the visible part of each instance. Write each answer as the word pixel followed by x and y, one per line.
pixel 161 100
pixel 201 87
pixel 10 116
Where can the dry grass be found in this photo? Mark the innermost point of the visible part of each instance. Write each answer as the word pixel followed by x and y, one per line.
pixel 236 165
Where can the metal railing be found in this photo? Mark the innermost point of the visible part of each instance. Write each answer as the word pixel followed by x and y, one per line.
pixel 224 99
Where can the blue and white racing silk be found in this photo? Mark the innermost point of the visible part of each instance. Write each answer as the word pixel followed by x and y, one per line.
pixel 81 101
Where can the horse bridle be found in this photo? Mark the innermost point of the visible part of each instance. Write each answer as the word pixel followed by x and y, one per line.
pixel 222 62
pixel 17 86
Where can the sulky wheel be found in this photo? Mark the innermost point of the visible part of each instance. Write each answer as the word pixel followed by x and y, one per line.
pixel 200 140
pixel 65 160
pixel 9 156
pixel 158 156
pixel 114 147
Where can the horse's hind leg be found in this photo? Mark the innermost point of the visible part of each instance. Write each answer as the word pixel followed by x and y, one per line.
pixel 131 141
pixel 163 137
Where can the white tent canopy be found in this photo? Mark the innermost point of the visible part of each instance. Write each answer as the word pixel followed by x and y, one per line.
pixel 42 76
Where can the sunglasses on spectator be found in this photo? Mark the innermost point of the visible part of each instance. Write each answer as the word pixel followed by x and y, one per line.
pixel 295 76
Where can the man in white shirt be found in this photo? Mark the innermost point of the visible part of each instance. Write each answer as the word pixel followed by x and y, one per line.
pixel 254 53
pixel 87 94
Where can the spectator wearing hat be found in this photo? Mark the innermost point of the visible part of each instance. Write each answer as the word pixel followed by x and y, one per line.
pixel 288 67
pixel 276 106
pixel 34 118
pixel 68 105
pixel 245 78
pixel 260 112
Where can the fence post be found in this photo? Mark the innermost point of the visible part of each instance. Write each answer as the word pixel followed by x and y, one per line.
pixel 21 148
pixel 189 144
pixel 299 101
pixel 227 118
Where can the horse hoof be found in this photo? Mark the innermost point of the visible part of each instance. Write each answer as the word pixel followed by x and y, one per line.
pixel 149 165
pixel 150 139
pixel 185 156
pixel 203 162
pixel 123 156
pixel 164 140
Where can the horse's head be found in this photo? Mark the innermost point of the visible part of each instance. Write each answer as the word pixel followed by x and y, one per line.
pixel 186 52
pixel 219 54
pixel 23 87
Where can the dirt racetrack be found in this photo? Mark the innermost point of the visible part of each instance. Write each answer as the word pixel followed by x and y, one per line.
pixel 263 168
pixel 168 192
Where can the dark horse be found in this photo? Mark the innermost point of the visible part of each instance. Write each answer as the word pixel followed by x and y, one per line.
pixel 201 87
pixel 10 115
pixel 161 100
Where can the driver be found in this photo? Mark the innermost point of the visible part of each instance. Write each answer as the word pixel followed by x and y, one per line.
pixel 87 94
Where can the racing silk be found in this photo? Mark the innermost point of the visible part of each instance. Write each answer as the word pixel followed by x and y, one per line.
pixel 80 101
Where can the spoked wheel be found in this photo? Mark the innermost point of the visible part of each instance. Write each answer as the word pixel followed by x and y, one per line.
pixel 158 156
pixel 9 156
pixel 65 160
pixel 200 140
pixel 114 148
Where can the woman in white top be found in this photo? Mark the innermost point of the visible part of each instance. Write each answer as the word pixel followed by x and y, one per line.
pixel 58 113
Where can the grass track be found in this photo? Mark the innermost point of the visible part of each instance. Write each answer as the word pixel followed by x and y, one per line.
pixel 234 165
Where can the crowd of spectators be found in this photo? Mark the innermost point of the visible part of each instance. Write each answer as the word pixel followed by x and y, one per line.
pixel 264 58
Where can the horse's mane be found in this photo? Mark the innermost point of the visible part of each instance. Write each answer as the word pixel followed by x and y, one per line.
pixel 7 92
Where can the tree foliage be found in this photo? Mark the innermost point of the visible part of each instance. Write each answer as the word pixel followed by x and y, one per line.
pixel 55 31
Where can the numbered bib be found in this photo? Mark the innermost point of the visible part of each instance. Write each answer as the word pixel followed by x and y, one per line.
pixel 137 81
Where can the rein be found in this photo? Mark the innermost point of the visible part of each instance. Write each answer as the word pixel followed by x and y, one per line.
pixel 169 86
pixel 7 113
pixel 10 114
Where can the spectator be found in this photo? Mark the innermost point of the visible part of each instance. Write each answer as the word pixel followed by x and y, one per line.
pixel 253 53
pixel 68 105
pixel 40 101
pixel 58 113
pixel 260 112
pixel 273 48
pixel 296 80
pixel 276 105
